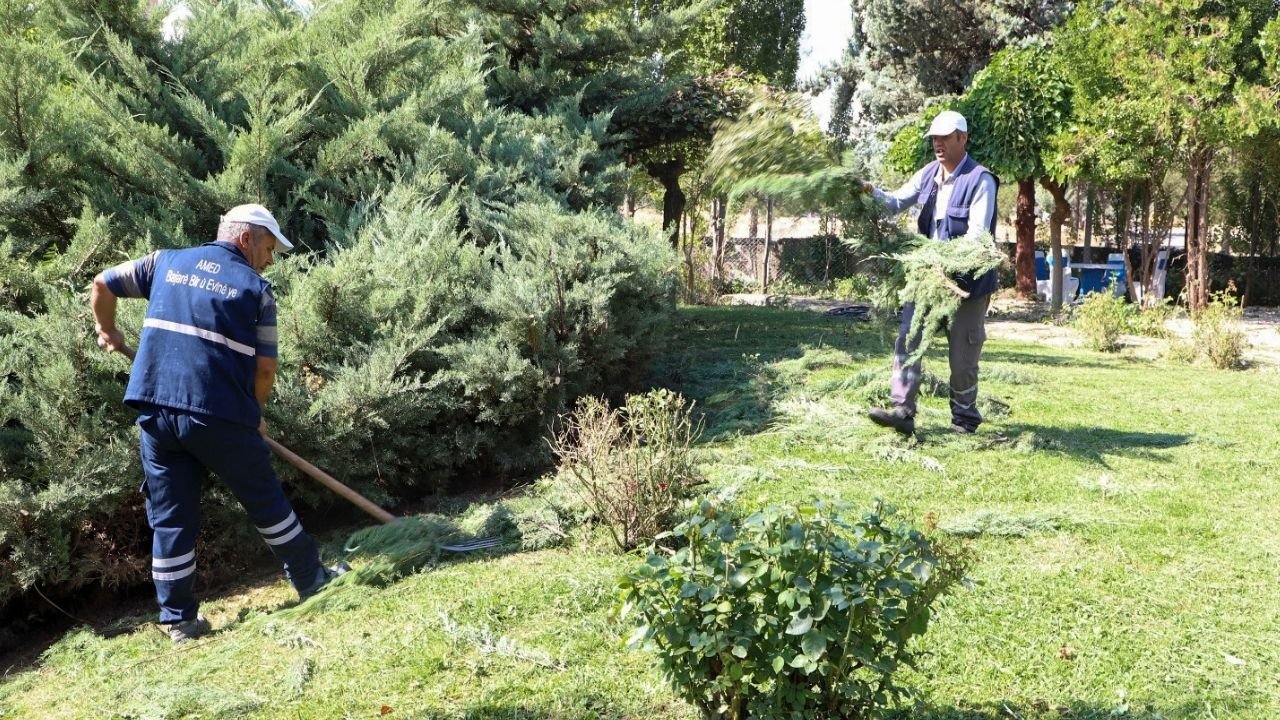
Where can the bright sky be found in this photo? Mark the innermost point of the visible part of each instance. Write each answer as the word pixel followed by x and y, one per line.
pixel 828 24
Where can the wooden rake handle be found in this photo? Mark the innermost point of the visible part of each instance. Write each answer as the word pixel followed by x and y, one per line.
pixel 328 481
pixel 314 472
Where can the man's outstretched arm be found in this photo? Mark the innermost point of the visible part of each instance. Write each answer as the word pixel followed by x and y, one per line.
pixel 103 304
pixel 902 198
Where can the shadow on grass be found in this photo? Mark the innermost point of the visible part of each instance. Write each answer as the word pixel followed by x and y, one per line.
pixel 1091 442
pixel 721 357
pixel 1057 711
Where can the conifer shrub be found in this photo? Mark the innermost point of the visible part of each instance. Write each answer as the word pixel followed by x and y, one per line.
pixel 630 466
pixel 70 510
pixel 797 612
pixel 459 353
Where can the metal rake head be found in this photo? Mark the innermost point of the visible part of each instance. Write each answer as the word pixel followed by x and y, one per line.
pixel 474 544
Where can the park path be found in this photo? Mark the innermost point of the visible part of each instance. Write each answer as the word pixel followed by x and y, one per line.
pixel 1017 320
pixel 1261 327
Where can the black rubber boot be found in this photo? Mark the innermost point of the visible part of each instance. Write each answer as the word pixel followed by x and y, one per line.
pixel 896 418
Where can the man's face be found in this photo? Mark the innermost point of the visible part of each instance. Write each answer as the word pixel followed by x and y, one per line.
pixel 259 246
pixel 949 149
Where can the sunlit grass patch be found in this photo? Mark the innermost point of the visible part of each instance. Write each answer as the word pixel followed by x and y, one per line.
pixel 1124 518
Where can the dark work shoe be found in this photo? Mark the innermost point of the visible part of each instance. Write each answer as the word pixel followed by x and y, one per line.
pixel 185 630
pixel 896 418
pixel 327 575
pixel 963 429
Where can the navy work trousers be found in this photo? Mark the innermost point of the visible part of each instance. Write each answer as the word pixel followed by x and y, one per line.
pixel 178 448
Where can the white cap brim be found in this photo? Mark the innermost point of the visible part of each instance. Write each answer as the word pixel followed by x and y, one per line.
pixel 282 242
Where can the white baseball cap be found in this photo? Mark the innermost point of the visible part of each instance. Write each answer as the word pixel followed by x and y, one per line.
pixel 947 122
pixel 255 214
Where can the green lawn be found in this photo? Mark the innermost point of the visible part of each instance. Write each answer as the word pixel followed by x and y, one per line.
pixel 1124 515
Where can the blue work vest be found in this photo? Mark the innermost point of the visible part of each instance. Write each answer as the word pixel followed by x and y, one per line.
pixel 198 346
pixel 955 223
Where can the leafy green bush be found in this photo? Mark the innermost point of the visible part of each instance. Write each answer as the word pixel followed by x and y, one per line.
pixel 854 287
pixel 1152 321
pixel 736 285
pixel 1102 318
pixel 630 466
pixel 789 613
pixel 787 284
pixel 1217 336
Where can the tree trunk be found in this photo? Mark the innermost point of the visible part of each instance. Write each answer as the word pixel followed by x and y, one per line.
pixel 768 217
pixel 1255 222
pixel 768 245
pixel 826 257
pixel 689 248
pixel 719 211
pixel 1024 258
pixel 1089 202
pixel 754 221
pixel 1124 218
pixel 1075 212
pixel 1150 249
pixel 1061 211
pixel 1197 281
pixel 631 205
pixel 673 200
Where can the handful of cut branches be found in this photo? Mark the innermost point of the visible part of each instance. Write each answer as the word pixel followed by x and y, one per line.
pixel 932 277
pixel 777 148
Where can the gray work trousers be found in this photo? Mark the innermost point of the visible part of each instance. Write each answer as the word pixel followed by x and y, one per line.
pixel 965 334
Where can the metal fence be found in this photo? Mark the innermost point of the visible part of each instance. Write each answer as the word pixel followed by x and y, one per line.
pixel 804 259
pixel 822 258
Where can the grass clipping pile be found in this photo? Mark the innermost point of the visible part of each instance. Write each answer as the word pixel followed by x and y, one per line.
pixel 930 275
